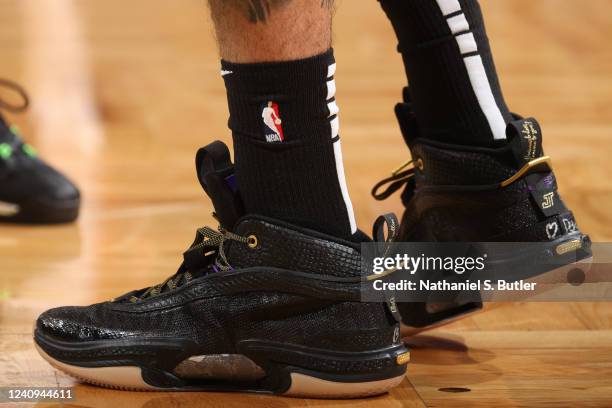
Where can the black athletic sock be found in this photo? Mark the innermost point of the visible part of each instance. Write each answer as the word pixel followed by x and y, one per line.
pixel 453 83
pixel 284 123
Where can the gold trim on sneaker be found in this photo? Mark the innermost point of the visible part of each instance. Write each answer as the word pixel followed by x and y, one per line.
pixel 543 161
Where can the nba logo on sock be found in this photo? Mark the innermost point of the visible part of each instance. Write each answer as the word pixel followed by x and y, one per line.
pixel 272 123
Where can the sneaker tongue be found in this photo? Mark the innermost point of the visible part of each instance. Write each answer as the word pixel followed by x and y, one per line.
pixel 525 138
pixel 215 172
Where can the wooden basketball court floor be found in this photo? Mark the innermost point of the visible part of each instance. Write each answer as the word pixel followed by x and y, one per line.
pixel 124 92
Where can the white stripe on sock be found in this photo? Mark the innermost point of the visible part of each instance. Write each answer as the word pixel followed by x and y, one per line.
pixel 475 68
pixel 335 126
pixel 467 43
pixel 448 6
pixel 331 89
pixel 335 129
pixel 343 186
pixel 331 70
pixel 458 24
pixel 333 108
pixel 484 94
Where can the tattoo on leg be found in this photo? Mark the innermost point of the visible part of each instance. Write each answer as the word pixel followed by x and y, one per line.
pixel 329 4
pixel 258 11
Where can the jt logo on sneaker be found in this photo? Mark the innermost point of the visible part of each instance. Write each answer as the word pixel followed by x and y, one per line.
pixel 272 123
pixel 548 200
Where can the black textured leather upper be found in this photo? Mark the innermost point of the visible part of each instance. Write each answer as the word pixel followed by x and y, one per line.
pixel 306 251
pixel 293 287
pixel 443 166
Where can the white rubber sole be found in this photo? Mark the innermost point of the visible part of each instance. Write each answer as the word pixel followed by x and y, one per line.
pixel 310 387
pixel 129 378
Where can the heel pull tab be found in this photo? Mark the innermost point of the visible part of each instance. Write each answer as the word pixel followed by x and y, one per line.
pixel 525 138
pixel 387 224
pixel 391 231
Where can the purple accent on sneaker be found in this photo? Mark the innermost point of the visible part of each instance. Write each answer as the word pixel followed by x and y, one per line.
pixel 231 182
pixel 548 180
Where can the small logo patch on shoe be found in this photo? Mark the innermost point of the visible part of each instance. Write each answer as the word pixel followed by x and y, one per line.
pixel 548 200
pixel 569 246
pixel 403 358
pixel 272 123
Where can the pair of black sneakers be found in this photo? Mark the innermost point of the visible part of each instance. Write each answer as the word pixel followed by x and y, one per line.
pixel 260 305
pixel 31 191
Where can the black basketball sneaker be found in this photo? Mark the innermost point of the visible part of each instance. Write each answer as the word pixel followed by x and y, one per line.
pixel 259 305
pixel 30 190
pixel 456 193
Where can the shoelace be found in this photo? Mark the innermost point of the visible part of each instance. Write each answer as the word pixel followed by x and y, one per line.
pixel 18 89
pixel 398 179
pixel 208 241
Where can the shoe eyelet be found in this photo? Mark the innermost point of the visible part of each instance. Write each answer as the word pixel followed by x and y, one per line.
pixel 419 164
pixel 252 241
